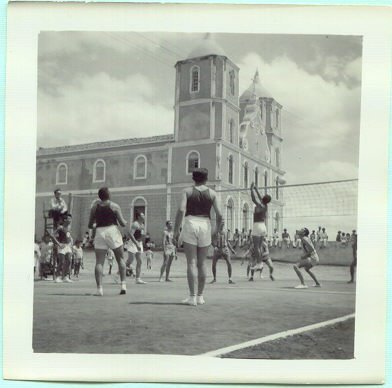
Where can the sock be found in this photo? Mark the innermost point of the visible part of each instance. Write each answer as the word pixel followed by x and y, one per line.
pixel 123 285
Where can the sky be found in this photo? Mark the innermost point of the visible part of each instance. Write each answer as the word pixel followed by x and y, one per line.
pixel 96 86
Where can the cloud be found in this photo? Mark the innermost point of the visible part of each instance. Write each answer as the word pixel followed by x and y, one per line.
pixel 101 107
pixel 320 119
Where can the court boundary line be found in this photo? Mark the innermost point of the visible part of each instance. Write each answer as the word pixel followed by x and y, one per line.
pixel 280 335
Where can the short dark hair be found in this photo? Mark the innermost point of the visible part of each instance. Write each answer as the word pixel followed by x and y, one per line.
pixel 306 231
pixel 266 199
pixel 56 191
pixel 200 175
pixel 103 193
pixel 167 222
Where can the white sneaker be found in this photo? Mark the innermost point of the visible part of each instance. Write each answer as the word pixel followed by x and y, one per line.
pixel 161 280
pixel 58 280
pixel 300 286
pixel 200 299
pixel 191 301
pixel 67 280
pixel 140 281
pixel 99 292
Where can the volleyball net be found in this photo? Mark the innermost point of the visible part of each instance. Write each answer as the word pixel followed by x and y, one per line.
pixel 332 205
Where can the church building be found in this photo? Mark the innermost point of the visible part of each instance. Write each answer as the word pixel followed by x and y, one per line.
pixel 237 137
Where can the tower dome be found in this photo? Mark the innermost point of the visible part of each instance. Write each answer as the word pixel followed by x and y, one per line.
pixel 255 90
pixel 207 46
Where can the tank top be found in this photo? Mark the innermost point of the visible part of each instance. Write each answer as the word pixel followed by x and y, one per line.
pixel 62 236
pixel 105 216
pixel 199 203
pixel 259 214
pixel 138 233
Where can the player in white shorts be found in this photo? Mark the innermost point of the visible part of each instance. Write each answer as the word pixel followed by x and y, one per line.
pixel 196 204
pixel 308 260
pixel 259 230
pixel 135 245
pixel 105 215
pixel 169 251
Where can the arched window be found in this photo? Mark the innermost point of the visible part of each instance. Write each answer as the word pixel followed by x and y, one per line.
pixel 277 157
pixel 232 82
pixel 277 188
pixel 265 182
pixel 231 131
pixel 231 169
pixel 230 214
pixel 99 171
pixel 195 79
pixel 246 169
pixel 140 167
pixel 62 174
pixel 192 161
pixel 245 217
pixel 277 221
pixel 256 177
pixel 139 205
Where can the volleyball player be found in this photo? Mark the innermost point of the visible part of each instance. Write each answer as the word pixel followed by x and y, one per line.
pixel 196 204
pixel 222 249
pixel 135 245
pixel 309 259
pixel 169 251
pixel 259 230
pixel 105 215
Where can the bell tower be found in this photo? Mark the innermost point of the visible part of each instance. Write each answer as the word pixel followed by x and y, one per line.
pixel 206 95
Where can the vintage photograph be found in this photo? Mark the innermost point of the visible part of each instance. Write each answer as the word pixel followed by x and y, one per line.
pixel 196 194
pixel 184 190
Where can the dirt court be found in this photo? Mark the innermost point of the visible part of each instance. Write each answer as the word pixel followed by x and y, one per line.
pixel 151 319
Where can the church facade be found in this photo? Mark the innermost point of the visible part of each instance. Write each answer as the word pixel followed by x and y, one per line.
pixel 238 138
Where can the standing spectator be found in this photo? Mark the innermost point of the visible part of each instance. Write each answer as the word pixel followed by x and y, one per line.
pixel 229 235
pixel 313 237
pixel 344 240
pixel 59 208
pixel 339 236
pixel 236 239
pixel 353 266
pixel 46 248
pixel 323 238
pixel 286 238
pixel 348 238
pixel 318 234
pixel 297 243
pixel 86 239
pixel 78 257
pixel 275 239
pixel 37 258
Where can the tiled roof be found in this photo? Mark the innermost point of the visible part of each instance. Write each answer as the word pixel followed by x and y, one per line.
pixel 105 144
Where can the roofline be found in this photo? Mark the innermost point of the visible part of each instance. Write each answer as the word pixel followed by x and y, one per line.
pixel 60 150
pixel 206 56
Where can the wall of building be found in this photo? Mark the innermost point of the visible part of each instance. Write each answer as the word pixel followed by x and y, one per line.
pixel 179 157
pixel 194 122
pixel 119 170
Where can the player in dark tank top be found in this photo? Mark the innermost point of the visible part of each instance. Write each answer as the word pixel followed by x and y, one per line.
pixel 196 204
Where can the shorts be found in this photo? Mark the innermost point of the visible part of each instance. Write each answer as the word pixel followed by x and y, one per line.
pixel 132 248
pixel 313 260
pixel 65 250
pixel 170 250
pixel 107 237
pixel 259 229
pixel 223 253
pixel 196 231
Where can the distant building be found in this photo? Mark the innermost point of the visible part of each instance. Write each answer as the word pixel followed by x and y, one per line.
pixel 238 138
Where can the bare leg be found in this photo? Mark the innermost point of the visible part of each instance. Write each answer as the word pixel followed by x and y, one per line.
pixel 257 247
pixel 164 264
pixel 191 257
pixel 299 274
pixel 168 266
pixel 119 255
pixel 229 267
pixel 202 269
pixel 312 275
pixel 138 256
pixel 214 261
pixel 100 259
